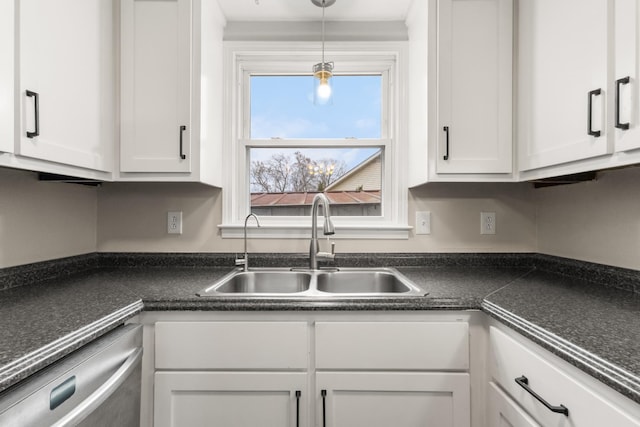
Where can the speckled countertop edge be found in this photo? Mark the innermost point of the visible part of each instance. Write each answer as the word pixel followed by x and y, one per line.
pixel 32 362
pixel 619 379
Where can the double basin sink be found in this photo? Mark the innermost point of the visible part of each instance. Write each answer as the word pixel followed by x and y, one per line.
pixel 287 283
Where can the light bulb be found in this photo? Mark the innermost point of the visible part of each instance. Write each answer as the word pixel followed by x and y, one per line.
pixel 324 90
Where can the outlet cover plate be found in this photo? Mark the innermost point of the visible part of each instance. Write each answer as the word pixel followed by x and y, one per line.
pixel 487 223
pixel 174 222
pixel 423 222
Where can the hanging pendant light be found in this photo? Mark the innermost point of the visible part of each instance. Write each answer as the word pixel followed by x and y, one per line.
pixel 322 71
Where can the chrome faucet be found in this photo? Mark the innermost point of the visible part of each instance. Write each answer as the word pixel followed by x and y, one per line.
pixel 245 261
pixel 314 247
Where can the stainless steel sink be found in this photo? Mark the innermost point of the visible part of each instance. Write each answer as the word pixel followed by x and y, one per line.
pixel 362 281
pixel 260 282
pixel 314 284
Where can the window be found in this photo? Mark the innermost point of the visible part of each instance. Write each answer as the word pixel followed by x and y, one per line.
pixel 285 149
pixel 283 181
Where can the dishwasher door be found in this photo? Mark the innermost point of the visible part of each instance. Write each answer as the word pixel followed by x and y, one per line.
pixel 97 385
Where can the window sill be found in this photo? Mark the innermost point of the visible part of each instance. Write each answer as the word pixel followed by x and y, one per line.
pixel 373 232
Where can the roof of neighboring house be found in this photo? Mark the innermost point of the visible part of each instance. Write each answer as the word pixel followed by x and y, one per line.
pixel 303 199
pixel 358 169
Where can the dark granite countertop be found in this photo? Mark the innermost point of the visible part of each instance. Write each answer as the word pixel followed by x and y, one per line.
pixel 46 320
pixel 595 328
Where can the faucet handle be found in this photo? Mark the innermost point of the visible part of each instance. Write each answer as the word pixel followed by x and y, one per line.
pixel 325 256
pixel 328 256
pixel 241 261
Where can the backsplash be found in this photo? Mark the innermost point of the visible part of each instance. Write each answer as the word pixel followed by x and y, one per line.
pixel 596 221
pixel 455 221
pixel 592 221
pixel 44 220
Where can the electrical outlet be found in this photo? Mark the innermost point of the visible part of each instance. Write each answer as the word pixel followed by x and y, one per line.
pixel 487 223
pixel 423 222
pixel 174 222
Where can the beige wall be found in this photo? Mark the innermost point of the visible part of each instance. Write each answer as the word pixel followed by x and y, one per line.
pixel 596 221
pixel 41 221
pixel 132 217
pixel 592 221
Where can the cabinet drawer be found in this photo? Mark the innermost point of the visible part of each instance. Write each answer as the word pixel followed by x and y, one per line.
pixel 505 412
pixel 392 345
pixel 510 359
pixel 231 345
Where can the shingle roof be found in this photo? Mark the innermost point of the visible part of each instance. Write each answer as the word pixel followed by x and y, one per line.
pixel 304 199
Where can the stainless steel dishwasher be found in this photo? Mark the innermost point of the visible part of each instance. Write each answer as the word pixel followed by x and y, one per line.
pixel 97 385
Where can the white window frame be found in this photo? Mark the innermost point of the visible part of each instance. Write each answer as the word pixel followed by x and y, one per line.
pixel 241 60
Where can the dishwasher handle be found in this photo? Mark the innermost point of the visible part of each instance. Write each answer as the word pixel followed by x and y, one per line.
pixel 88 405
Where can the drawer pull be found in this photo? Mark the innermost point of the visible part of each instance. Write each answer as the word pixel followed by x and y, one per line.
pixel 36 106
pixel 446 153
pixel 619 82
pixel 590 131
pixel 324 407
pixel 298 393
pixel 182 155
pixel 524 383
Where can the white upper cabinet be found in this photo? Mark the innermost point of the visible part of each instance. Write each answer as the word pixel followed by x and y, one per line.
pixel 627 71
pixel 65 104
pixel 7 28
pixel 562 81
pixel 578 92
pixel 474 86
pixel 156 86
pixel 171 91
pixel 460 98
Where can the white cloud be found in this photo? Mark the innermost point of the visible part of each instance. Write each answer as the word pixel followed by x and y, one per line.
pixel 284 127
pixel 367 123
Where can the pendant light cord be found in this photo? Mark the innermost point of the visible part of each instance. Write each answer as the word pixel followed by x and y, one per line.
pixel 323 6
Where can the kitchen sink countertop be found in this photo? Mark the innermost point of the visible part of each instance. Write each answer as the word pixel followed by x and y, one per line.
pixel 46 320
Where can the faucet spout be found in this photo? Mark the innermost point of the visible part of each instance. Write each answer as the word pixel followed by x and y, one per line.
pixel 245 261
pixel 328 229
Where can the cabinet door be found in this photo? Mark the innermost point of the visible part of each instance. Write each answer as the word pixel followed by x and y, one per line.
pixel 230 399
pixel 504 412
pixel 156 86
pixel 7 55
pixel 627 72
pixel 406 399
pixel 474 86
pixel 509 359
pixel 562 57
pixel 66 58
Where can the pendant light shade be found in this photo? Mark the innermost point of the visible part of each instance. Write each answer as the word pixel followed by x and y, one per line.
pixel 322 71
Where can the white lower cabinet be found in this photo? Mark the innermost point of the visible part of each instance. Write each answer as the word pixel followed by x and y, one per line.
pixel 504 412
pixel 230 399
pixel 358 378
pixel 398 399
pixel 522 369
pixel 311 370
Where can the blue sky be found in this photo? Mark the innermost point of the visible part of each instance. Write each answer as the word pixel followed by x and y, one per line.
pixel 282 106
